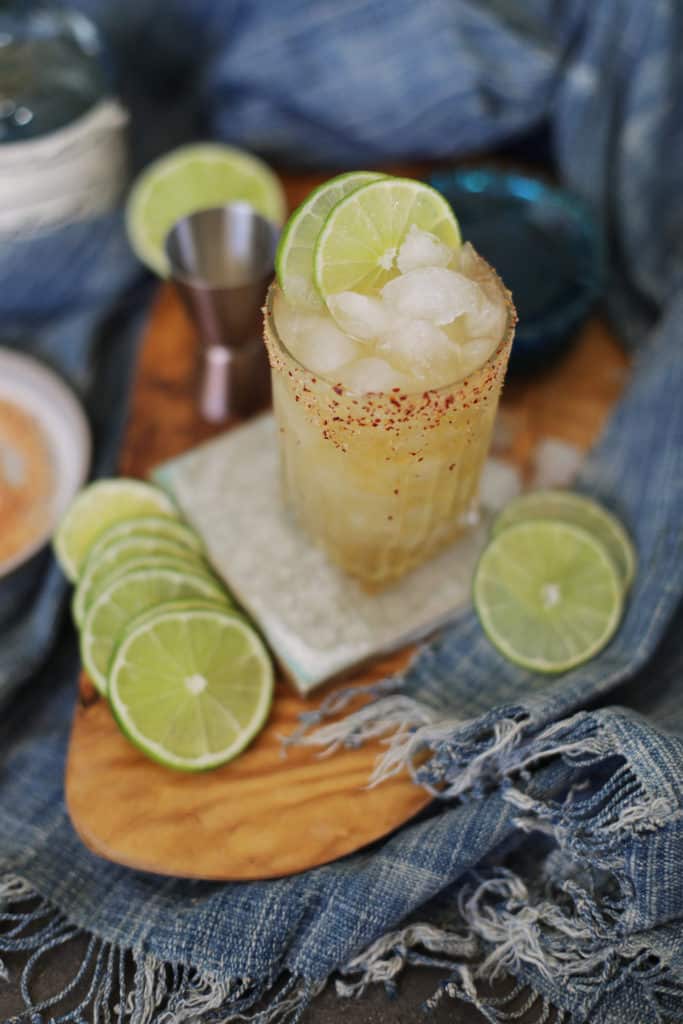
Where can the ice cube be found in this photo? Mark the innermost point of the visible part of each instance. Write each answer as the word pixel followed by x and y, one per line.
pixel 313 338
pixel 422 249
pixel 362 316
pixel 487 319
pixel 287 318
pixel 373 374
pixel 489 315
pixel 323 348
pixel 500 482
pixel 475 352
pixel 292 322
pixel 456 330
pixel 432 293
pixel 421 349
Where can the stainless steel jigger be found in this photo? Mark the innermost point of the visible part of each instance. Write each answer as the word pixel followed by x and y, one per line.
pixel 222 263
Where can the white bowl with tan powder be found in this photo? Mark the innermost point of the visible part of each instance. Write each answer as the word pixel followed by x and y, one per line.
pixel 45 452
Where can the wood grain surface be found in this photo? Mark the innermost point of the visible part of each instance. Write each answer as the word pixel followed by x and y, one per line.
pixel 267 814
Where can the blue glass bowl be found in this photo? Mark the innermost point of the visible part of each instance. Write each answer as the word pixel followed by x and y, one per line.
pixel 545 245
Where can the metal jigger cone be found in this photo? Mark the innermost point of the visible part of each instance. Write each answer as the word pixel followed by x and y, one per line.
pixel 222 263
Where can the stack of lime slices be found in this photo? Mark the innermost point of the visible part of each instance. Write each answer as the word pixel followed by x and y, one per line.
pixel 550 587
pixel 188 680
pixel 346 235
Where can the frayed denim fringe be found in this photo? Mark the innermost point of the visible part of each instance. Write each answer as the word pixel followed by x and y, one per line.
pixel 573 920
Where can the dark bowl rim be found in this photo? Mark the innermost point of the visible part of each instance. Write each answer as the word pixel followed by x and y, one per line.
pixel 590 285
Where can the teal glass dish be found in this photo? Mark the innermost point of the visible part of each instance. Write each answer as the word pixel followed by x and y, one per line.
pixel 544 243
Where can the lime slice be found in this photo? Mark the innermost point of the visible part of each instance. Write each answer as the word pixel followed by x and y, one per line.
pixel 547 594
pixel 158 527
pixel 96 508
pixel 570 507
pixel 128 552
pixel 181 604
pixel 125 597
pixel 357 246
pixel 191 178
pixel 294 258
pixel 191 687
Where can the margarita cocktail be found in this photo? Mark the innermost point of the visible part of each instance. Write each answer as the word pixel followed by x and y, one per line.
pixel 385 387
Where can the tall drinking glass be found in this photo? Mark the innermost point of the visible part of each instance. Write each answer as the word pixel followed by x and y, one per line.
pixel 383 480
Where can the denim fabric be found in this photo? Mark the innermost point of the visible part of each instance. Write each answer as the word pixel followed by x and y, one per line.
pixel 73 299
pixel 553 851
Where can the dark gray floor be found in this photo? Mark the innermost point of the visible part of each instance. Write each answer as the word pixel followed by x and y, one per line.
pixel 416 985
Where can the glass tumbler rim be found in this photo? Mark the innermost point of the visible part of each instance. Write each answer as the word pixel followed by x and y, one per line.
pixel 508 330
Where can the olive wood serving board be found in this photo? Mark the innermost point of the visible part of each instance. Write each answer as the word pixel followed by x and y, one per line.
pixel 267 813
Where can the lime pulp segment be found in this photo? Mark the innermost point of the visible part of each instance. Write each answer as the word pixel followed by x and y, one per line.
pixel 358 244
pixel 580 510
pixel 294 258
pixel 547 594
pixel 127 596
pixel 98 507
pixel 191 178
pixel 191 687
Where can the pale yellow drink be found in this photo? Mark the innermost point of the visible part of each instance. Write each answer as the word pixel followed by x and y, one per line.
pixel 383 480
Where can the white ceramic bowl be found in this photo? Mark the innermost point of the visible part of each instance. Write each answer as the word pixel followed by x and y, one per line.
pixel 30 385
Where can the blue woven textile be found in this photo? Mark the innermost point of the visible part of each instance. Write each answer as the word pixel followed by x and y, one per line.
pixel 73 299
pixel 553 852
